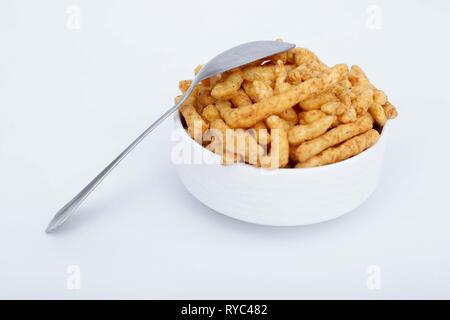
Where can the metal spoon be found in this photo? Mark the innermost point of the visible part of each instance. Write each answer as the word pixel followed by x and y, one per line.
pixel 230 59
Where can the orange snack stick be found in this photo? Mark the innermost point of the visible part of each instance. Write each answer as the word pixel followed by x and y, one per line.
pixel 342 92
pixel 315 102
pixel 337 135
pixel 263 73
pixel 257 90
pixel 303 132
pixel 204 97
pixel 379 97
pixel 240 99
pixel 238 141
pixel 276 122
pixel 280 82
pixel 279 149
pixel 334 108
pixel 348 116
pixel 261 133
pixel 347 149
pixel 358 78
pixel 290 116
pixel 390 110
pixel 282 56
pixel 195 123
pixel 306 117
pixel 224 108
pixel 210 113
pixel 377 113
pixel 363 99
pixel 247 116
pixel 301 73
pixel 226 89
pixel 252 73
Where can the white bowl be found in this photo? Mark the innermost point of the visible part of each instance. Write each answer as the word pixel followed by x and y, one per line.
pixel 280 197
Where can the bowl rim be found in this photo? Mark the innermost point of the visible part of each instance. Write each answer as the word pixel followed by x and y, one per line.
pixel 245 166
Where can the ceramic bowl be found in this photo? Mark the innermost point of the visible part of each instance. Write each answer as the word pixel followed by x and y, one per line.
pixel 280 197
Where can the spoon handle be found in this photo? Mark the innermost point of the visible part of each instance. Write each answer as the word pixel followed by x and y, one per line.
pixel 70 207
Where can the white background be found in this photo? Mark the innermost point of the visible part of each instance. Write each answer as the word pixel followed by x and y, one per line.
pixel 72 99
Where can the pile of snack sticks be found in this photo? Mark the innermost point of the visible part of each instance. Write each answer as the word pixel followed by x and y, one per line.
pixel 288 110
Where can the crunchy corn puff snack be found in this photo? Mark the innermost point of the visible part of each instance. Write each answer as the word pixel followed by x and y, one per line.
pixel 289 110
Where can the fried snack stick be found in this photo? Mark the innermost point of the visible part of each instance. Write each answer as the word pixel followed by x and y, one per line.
pixel 290 116
pixel 257 90
pixel 204 97
pixel 345 114
pixel 315 102
pixel 275 121
pixel 308 66
pixel 263 73
pixel 252 73
pixel 226 89
pixel 363 98
pixel 247 116
pixel 358 78
pixel 291 55
pixel 306 117
pixel 379 97
pixel 278 156
pixel 282 86
pixel 224 108
pixel 337 135
pixel 195 123
pixel 342 92
pixel 347 149
pixel 240 99
pixel 334 108
pixel 261 133
pixel 377 113
pixel 282 56
pixel 280 82
pixel 301 73
pixel 219 134
pixel 303 132
pixel 237 141
pixel 348 116
pixel 390 110
pixel 210 113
